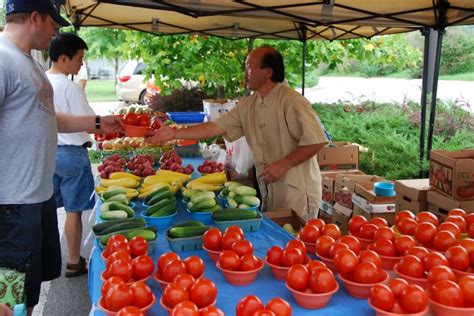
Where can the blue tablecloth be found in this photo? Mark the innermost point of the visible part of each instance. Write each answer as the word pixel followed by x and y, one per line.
pixel 265 286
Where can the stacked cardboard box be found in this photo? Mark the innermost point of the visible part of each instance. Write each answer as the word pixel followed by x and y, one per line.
pixel 369 205
pixel 282 216
pixel 411 195
pixel 339 156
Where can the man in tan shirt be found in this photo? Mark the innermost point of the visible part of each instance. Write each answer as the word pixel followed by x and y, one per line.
pixel 281 129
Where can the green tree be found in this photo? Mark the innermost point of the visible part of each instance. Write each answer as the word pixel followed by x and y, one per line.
pixel 2 14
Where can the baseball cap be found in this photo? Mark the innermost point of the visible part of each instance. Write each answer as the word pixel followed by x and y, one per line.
pixel 42 6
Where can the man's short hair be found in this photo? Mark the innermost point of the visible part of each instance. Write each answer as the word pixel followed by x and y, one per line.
pixel 274 60
pixel 65 44
pixel 21 18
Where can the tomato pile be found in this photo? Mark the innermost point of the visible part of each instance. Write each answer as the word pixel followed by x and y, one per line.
pixel 170 265
pixel 141 165
pixel 115 163
pixel 313 277
pixel 294 253
pixel 135 119
pixel 210 167
pixel 116 294
pixel 399 297
pixel 188 308
pixel 202 292
pixel 170 160
pixel 251 305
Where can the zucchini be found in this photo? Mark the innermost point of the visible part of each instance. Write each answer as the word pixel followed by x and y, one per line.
pixel 191 223
pixel 158 206
pixel 245 191
pixel 115 191
pixel 122 226
pixel 233 214
pixel 155 192
pixel 104 207
pixel 202 196
pixel 119 198
pixel 103 240
pixel 188 193
pixel 99 228
pixel 147 234
pixel 216 207
pixel 117 206
pixel 228 184
pixel 184 232
pixel 232 203
pixel 160 196
pixel 165 211
pixel 249 200
pixel 244 206
pixel 231 194
pixel 113 215
pixel 202 205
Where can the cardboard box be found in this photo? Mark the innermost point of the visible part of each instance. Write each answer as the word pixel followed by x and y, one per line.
pixel 341 216
pixel 452 173
pixel 343 156
pixel 366 191
pixel 328 179
pixel 215 108
pixel 325 212
pixel 411 195
pixel 440 204
pixel 370 210
pixel 281 216
pixel 345 184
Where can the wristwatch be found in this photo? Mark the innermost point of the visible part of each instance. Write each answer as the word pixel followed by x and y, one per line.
pixel 97 121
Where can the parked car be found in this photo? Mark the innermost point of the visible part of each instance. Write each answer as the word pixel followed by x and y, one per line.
pixel 131 86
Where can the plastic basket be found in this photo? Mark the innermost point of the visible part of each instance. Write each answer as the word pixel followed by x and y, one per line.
pixel 187 117
pixel 205 217
pixel 184 244
pixel 247 225
pixel 161 222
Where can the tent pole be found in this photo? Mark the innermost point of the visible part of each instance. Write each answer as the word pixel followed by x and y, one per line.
pixel 435 90
pixel 303 67
pixel 424 92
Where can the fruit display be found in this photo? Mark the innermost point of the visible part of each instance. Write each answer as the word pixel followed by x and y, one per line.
pixel 252 305
pixel 172 161
pixel 398 297
pixel 210 167
pixel 114 163
pixel 141 165
pixel 121 143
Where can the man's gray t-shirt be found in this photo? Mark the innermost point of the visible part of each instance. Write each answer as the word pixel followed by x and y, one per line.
pixel 28 128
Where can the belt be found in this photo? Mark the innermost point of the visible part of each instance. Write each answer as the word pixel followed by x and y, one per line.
pixel 85 145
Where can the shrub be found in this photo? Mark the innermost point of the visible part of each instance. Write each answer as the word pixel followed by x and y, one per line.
pixel 184 99
pixel 457 53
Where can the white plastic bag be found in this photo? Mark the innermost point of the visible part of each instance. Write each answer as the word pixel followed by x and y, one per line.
pixel 242 158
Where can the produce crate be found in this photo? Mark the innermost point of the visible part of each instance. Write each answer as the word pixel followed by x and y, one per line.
pixel 187 117
pixel 184 244
pixel 205 217
pixel 247 225
pixel 282 216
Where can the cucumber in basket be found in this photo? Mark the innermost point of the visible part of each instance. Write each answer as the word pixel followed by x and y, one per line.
pixel 148 232
pixel 187 229
pixel 113 225
pixel 234 214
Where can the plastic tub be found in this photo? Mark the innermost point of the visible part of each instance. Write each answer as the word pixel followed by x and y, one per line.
pixel 221 200
pixel 381 312
pixel 186 117
pixel 279 272
pixel 310 247
pixel 135 131
pixel 161 222
pixel 460 274
pixel 312 300
pixel 110 313
pixel 389 262
pixel 328 262
pixel 170 309
pixel 205 217
pixel 444 310
pixel 184 244
pixel 384 189
pixel 162 283
pixel 360 290
pixel 423 282
pixel 240 277
pixel 213 254
pixel 104 276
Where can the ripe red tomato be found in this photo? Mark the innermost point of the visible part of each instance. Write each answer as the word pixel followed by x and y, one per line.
pixel 118 237
pixel 413 299
pixel 194 266
pixel 469 218
pixel 355 223
pixel 468 243
pixel 434 259
pixel 185 280
pixel 172 269
pixel 138 246
pixel 323 245
pixel 118 296
pixel 297 277
pixel 345 261
pixel 466 283
pixel 425 232
pixel 187 308
pixel 264 312
pixel 407 226
pixel 144 120
pixel 248 305
pixel 142 295
pixel 367 273
pixel 379 221
pixel 235 228
pixel 229 238
pixel 417 251
pixel 317 222
pixel 411 266
pixel 458 220
pixel 118 245
pixel 427 217
pixel 131 119
pixel 295 243
pixel 279 306
pixel 212 239
pixel 444 239
pixel 458 257
pixel 470 230
pixel 242 247
pixel 315 264
pixel 397 308
pixel 370 256
pixel 336 247
pixel 165 258
pixel 397 285
pixel 321 280
pixel 121 268
pixel 119 254
pixel 403 214
pixel 274 255
pixel 403 243
pixel 458 211
pixel 110 282
pixel 142 267
pixel 450 227
pixel 130 311
pixel 249 262
pixel 291 256
pixel 211 311
pixel 309 233
pixel 384 247
pixel 203 292
pixel 173 294
pixel 332 230
pixel 367 231
pixel 352 242
pixel 385 232
pixel 439 273
pixel 381 296
pixel 229 260
pixel 447 293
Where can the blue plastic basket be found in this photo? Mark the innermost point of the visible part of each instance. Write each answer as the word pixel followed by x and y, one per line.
pixel 184 244
pixel 221 200
pixel 205 217
pixel 247 225
pixel 161 222
pixel 187 117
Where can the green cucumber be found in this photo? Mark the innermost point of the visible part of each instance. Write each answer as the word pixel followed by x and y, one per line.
pixel 216 207
pixel 165 211
pixel 233 214
pixel 111 192
pixel 184 232
pixel 119 198
pixel 160 196
pixel 249 200
pixel 245 191
pixel 232 203
pixel 113 215
pixel 147 234
pixel 244 206
pixel 191 223
pixel 202 205
pixel 155 192
pixel 122 226
pixel 188 193
pixel 158 206
pixel 104 207
pixel 105 238
pixel 117 206
pixel 202 196
pixel 99 228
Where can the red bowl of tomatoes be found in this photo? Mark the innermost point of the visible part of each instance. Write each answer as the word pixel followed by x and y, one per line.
pixel 241 277
pixel 135 130
pixel 389 262
pixel 310 247
pixel 170 309
pixel 213 254
pixel 361 290
pixel 162 283
pixel 328 261
pixel 108 312
pixel 460 273
pixel 381 312
pixel 279 272
pixel 445 310
pixel 423 282
pixel 312 300
pixel 104 276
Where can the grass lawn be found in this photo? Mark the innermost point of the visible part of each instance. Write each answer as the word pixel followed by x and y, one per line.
pixel 101 90
pixel 467 76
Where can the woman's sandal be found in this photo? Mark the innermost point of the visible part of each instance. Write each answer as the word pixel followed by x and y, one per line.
pixel 76 269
